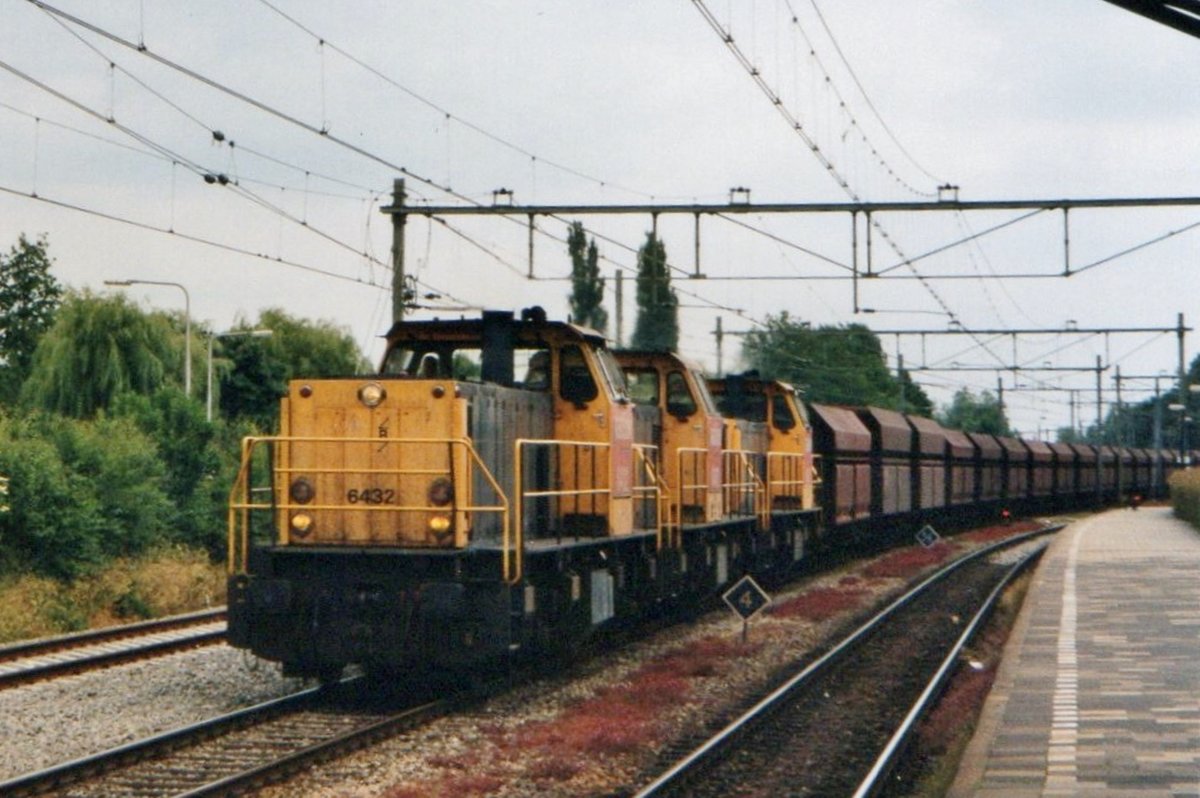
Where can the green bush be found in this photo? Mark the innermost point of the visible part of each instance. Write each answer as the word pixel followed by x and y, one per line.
pixel 1185 495
pixel 80 494
pixel 197 476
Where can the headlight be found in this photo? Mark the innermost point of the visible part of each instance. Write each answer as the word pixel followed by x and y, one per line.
pixel 302 524
pixel 441 492
pixel 371 394
pixel 302 491
pixel 440 525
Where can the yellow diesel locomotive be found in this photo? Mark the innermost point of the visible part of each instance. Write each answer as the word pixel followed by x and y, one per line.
pixel 504 486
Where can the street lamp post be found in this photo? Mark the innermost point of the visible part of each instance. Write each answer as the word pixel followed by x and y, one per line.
pixel 213 337
pixel 1182 411
pixel 187 325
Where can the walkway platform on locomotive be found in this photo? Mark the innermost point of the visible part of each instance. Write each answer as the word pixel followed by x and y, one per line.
pixel 1099 690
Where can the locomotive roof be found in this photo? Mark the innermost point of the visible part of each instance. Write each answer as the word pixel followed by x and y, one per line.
pixel 652 354
pixel 530 328
pixel 753 383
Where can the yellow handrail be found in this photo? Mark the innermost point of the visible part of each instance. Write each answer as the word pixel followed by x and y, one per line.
pixel 699 458
pixel 513 566
pixel 666 522
pixel 751 483
pixel 241 505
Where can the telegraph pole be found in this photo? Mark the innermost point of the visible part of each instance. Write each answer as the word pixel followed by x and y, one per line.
pixel 720 338
pixel 1157 478
pixel 1120 418
pixel 620 307
pixel 1183 387
pixel 399 219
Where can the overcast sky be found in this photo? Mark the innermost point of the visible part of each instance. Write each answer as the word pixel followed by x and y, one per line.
pixel 611 102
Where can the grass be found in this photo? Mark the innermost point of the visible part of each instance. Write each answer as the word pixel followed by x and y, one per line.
pixel 1185 495
pixel 166 582
pixel 617 720
pixel 943 735
pixel 1000 531
pixel 907 562
pixel 821 603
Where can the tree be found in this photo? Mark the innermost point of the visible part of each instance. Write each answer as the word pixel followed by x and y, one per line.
pixel 658 308
pixel 29 297
pixel 99 348
pixel 251 380
pixel 832 364
pixel 197 475
pixel 913 398
pixel 971 413
pixel 587 286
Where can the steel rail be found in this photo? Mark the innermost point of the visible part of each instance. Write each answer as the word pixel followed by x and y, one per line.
pixel 65 654
pixel 105 658
pixel 92 765
pixel 876 777
pixel 45 645
pixel 289 764
pixel 720 741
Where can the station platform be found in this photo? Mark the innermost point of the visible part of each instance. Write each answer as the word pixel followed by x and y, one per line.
pixel 1098 693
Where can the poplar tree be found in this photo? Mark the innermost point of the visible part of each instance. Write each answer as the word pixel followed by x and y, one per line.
pixel 29 298
pixel 658 308
pixel 587 286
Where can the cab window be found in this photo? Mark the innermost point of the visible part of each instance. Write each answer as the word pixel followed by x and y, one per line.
pixel 536 368
pixel 781 413
pixel 397 361
pixel 643 386
pixel 680 402
pixel 750 406
pixel 706 397
pixel 612 372
pixel 575 379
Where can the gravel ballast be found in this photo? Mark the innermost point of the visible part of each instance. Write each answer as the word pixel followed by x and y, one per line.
pixel 54 721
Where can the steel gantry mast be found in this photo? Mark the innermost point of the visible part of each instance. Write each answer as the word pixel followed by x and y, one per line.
pixel 862 264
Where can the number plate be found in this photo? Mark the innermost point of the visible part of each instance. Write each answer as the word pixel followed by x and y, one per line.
pixel 371 496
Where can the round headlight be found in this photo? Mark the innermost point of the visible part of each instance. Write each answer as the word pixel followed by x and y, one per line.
pixel 441 492
pixel 440 526
pixel 302 524
pixel 302 491
pixel 371 394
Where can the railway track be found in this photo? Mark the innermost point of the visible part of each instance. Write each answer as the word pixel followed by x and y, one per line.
pixel 233 753
pixel 838 726
pixel 46 658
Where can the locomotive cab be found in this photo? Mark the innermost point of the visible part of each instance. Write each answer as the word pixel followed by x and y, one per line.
pixel 689 432
pixel 776 405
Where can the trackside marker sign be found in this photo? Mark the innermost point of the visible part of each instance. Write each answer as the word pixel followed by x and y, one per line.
pixel 747 599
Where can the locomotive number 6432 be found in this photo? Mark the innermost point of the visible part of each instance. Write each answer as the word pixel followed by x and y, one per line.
pixel 371 496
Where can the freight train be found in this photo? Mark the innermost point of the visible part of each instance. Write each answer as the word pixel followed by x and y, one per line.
pixel 507 486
